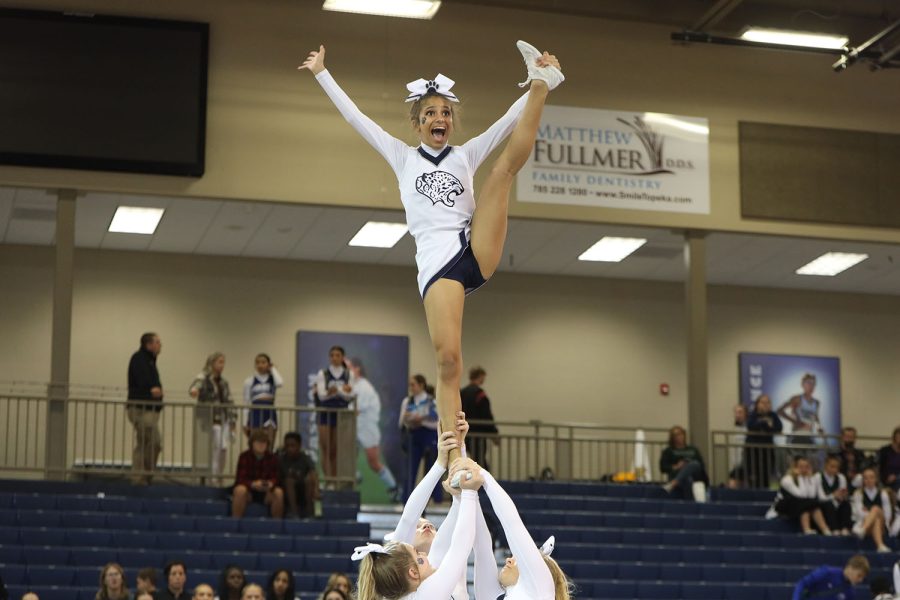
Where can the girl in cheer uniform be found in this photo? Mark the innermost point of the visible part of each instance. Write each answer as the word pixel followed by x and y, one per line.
pixel 458 246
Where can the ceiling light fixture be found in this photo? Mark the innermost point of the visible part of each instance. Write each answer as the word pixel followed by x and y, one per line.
pixel 136 219
pixel 831 263
pixel 379 235
pixel 411 9
pixel 612 249
pixel 669 120
pixel 785 37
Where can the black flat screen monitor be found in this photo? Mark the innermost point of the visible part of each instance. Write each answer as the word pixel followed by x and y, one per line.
pixel 105 93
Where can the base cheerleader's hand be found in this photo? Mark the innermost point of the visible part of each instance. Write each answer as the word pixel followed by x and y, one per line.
pixel 315 62
pixel 548 59
pixel 446 442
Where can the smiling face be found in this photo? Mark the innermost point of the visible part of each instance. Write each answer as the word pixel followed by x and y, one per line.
pixel 509 574
pixel 434 123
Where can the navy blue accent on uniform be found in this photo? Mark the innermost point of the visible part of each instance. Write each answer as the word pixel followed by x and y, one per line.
pixel 464 244
pixel 435 160
pixel 260 417
pixel 330 418
pixel 467 272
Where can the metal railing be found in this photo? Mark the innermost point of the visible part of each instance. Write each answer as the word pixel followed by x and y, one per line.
pixel 100 441
pixel 738 464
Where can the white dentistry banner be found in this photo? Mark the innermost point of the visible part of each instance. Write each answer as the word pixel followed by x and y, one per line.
pixel 641 161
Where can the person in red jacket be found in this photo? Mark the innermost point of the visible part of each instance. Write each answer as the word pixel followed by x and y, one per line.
pixel 257 478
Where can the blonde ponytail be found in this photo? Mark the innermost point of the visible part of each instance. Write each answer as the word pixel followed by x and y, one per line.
pixel 385 575
pixel 562 586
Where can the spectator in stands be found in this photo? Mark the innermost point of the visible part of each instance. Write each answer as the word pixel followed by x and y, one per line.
pixel 257 478
pixel 145 397
pixel 203 591
pixel 231 583
pixel 281 586
pixel 872 510
pixel 852 459
pixel 737 470
pixel 759 458
pixel 797 498
pixel 146 580
pixel 834 496
pixel 334 391
pixel 259 395
pixel 683 466
pixel 477 406
pixel 335 594
pixel 368 426
pixel 833 582
pixel 889 462
pixel 419 421
pixel 339 581
pixel 252 591
pixel 299 477
pixel 112 583
pixel 215 420
pixel 30 596
pixel 176 578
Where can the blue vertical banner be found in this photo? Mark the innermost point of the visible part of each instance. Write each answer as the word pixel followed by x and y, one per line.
pixel 805 390
pixel 386 360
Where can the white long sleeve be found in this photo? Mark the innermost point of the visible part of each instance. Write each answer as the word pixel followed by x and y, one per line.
pixel 479 147
pixel 487 582
pixel 391 149
pixel 535 581
pixel 276 377
pixel 441 545
pixel 802 488
pixel 859 511
pixel 443 581
pixel 415 506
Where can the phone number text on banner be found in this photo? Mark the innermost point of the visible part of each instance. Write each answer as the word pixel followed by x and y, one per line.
pixel 641 161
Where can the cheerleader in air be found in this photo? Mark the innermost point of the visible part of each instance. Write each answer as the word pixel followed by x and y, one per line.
pixel 458 245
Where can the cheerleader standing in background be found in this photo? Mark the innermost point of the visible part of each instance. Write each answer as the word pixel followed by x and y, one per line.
pixel 259 395
pixel 333 390
pixel 458 246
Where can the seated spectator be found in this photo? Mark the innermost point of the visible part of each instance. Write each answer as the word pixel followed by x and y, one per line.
pixel 339 581
pixel 30 596
pixel 834 496
pixel 889 462
pixel 257 478
pixel 872 510
pixel 737 476
pixel 833 582
pixel 797 498
pixel 146 580
pixel 334 594
pixel 759 457
pixel 252 591
pixel 683 466
pixel 112 583
pixel 281 586
pixel 203 591
pixel 176 578
pixel 853 460
pixel 231 583
pixel 298 477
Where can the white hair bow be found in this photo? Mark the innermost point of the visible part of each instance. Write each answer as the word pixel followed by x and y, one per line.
pixel 549 545
pixel 440 85
pixel 360 552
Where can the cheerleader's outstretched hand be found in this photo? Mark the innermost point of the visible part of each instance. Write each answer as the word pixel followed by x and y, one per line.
pixel 315 62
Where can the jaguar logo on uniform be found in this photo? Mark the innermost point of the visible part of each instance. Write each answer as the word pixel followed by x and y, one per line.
pixel 439 186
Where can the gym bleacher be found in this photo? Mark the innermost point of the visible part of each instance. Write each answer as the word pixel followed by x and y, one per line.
pixel 614 541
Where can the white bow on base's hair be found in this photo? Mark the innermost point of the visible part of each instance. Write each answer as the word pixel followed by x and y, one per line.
pixel 549 545
pixel 439 85
pixel 360 552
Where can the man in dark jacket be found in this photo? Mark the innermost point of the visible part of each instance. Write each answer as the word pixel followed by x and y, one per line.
pixel 145 397
pixel 852 458
pixel 477 407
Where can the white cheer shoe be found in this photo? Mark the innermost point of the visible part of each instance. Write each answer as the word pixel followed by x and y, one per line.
pixel 549 74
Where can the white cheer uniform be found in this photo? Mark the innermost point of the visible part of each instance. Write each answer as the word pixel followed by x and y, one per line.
pixel 436 187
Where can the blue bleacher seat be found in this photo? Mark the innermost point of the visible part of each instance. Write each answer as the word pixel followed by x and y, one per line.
pixel 208 508
pixel 329 563
pixel 245 560
pixel 50 575
pixel 638 571
pixel 85 520
pixel 680 572
pixel 305 527
pixel 265 526
pixel 656 590
pixel 217 524
pixel 702 591
pixel 348 528
pixel 78 503
pixel 615 589
pixel 14 574
pixel 271 543
pixel 88 538
pixel 116 504
pixel 139 558
pixel 179 540
pixel 164 506
pixel 39 518
pixel 282 560
pixel 41 536
pixel 227 542
pixel 196 559
pixel 339 512
pixel 89 576
pixel 304 581
pixel 171 523
pixel 138 540
pixel 60 593
pixel 35 501
pixel 129 521
pixel 45 555
pixel 10 551
pixel 7 500
pixel 9 517
pixel 743 591
pixel 92 557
